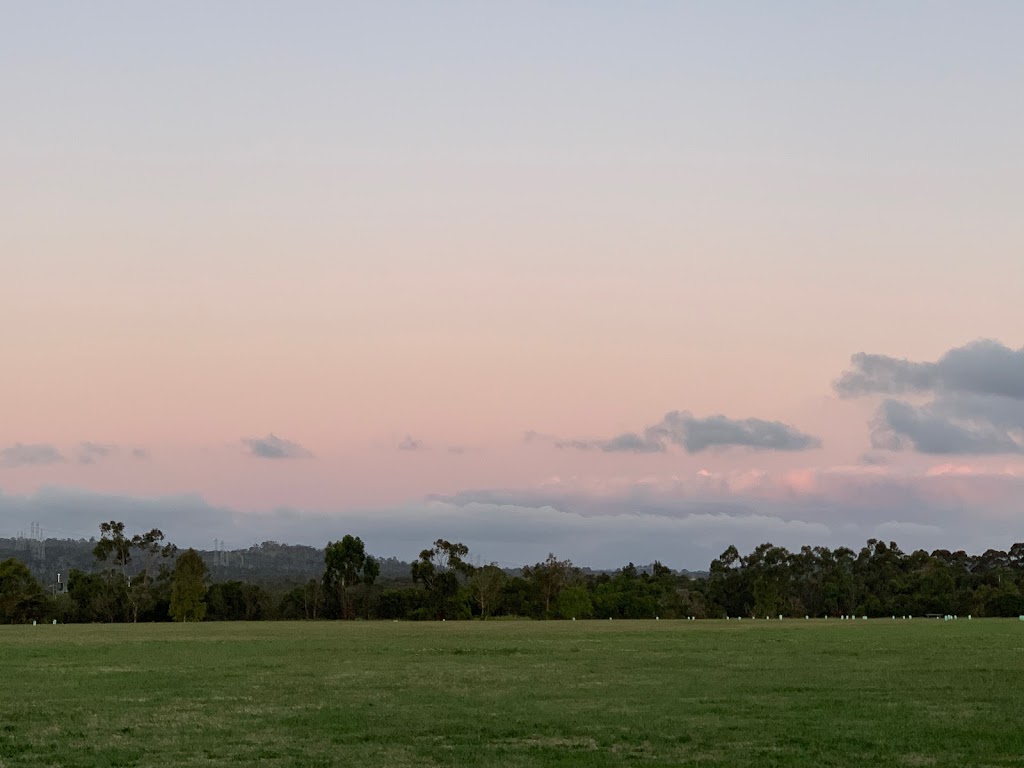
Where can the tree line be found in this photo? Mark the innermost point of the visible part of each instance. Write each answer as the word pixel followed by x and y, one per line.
pixel 144 578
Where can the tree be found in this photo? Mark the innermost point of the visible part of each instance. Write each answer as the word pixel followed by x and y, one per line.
pixel 152 548
pixel 551 577
pixel 574 603
pixel 728 584
pixel 21 596
pixel 347 565
pixel 303 601
pixel 189 588
pixel 114 550
pixel 768 570
pixel 486 584
pixel 443 569
pixel 95 597
pixel 113 546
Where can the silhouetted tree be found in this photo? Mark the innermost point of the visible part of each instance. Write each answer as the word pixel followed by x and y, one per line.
pixel 347 565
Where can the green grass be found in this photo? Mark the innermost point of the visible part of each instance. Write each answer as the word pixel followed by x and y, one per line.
pixel 515 694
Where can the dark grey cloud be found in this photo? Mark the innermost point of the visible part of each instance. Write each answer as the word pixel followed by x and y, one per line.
pixel 515 533
pixel 90 453
pixel 984 367
pixel 976 405
pixel 638 523
pixel 651 441
pixel 30 454
pixel 72 513
pixel 879 374
pixel 411 444
pixel 694 435
pixel 722 432
pixel 961 425
pixel 683 525
pixel 274 447
pixel 918 511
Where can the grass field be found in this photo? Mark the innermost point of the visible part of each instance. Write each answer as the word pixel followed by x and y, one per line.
pixel 515 694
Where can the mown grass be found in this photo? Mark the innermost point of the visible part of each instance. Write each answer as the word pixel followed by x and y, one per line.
pixel 515 694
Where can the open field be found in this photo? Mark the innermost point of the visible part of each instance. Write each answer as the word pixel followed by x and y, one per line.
pixel 515 694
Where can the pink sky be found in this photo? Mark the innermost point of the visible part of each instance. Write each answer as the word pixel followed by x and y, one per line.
pixel 481 234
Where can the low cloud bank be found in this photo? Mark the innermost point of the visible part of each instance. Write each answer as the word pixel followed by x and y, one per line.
pixel 684 522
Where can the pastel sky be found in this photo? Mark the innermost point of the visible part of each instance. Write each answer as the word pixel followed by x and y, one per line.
pixel 620 281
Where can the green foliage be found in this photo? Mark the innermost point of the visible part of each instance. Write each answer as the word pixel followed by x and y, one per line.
pixel 237 601
pixel 551 577
pixel 22 599
pixel 189 588
pixel 1006 602
pixel 574 603
pixel 486 584
pixel 96 597
pixel 346 566
pixel 402 604
pixel 131 594
pixel 133 583
pixel 305 601
pixel 113 549
pixel 443 571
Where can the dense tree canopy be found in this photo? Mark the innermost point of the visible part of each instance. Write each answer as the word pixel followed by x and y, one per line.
pixel 189 588
pixel 131 581
pixel 21 597
pixel 346 566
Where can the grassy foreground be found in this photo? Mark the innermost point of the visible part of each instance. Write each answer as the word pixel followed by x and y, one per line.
pixel 515 694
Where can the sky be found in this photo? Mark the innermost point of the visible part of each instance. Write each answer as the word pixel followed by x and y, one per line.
pixel 615 281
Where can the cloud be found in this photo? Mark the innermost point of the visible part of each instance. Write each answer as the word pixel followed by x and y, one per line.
pixel 976 406
pixel 695 435
pixel 958 426
pixel 274 447
pixel 874 459
pixel 984 367
pixel 682 520
pixel 410 444
pixel 721 432
pixel 30 454
pixel 90 453
pixel 140 453
pixel 879 374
